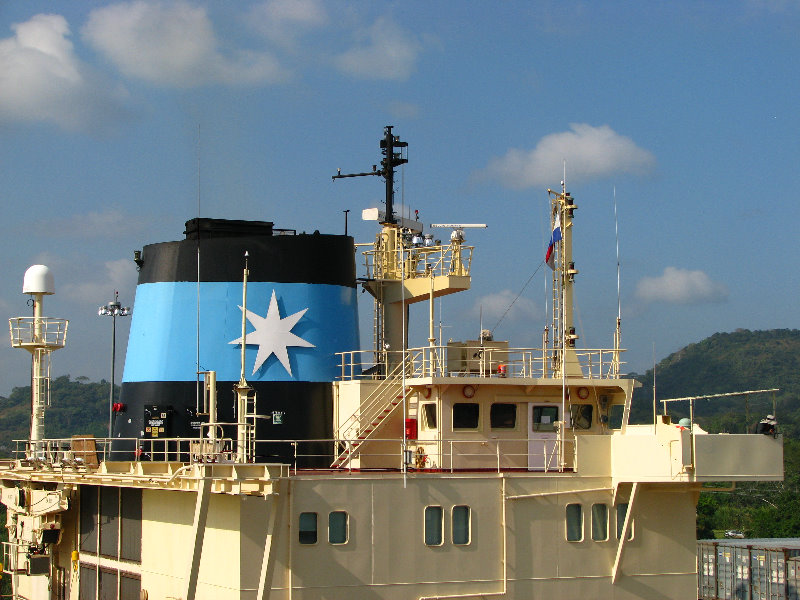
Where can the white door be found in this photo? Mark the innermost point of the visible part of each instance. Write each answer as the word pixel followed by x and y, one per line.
pixel 542 436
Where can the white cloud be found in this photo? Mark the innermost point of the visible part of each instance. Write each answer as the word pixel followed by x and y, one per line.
pixel 42 80
pixel 493 307
pixel 681 286
pixel 117 274
pixel 173 44
pixel 386 52
pixel 282 21
pixel 109 223
pixel 589 152
pixel 403 110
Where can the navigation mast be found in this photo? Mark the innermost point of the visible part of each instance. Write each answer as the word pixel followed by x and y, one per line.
pixel 562 213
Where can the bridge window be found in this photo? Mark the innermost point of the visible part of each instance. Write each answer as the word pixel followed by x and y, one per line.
pixel 581 415
pixel 503 416
pixel 615 416
pixel 466 415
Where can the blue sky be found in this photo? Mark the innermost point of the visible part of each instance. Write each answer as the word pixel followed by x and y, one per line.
pixel 120 121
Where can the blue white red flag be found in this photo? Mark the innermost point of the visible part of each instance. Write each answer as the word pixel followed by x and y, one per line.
pixel 549 258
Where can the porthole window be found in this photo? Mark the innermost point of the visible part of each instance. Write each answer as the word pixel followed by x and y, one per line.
pixel 434 525
pixel 466 415
pixel 307 528
pixel 574 523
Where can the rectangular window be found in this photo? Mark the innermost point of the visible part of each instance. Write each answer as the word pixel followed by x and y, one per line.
pixel 622 510
pixel 108 585
pixel 87 588
pixel 581 415
pixel 599 522
pixel 503 416
pixel 429 415
pixel 465 415
pixel 574 523
pixel 461 525
pixel 337 527
pixel 109 522
pixel 544 417
pixel 130 586
pixel 88 527
pixel 308 528
pixel 615 416
pixel 434 525
pixel 131 524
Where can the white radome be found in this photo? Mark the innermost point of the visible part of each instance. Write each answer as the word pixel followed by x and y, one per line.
pixel 38 280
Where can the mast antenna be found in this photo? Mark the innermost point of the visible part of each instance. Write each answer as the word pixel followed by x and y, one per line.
pixel 391 160
pixel 618 330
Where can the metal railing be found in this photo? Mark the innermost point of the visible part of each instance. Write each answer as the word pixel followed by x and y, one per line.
pixel 475 361
pixel 537 454
pixel 419 261
pixel 43 332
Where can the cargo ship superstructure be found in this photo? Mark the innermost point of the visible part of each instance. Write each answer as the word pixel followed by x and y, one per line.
pixel 258 453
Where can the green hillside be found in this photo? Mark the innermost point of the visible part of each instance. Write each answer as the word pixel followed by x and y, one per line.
pixel 77 407
pixel 731 362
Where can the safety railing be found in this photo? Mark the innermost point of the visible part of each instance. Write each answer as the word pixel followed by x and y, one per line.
pixel 419 261
pixel 545 454
pixel 38 332
pixel 476 361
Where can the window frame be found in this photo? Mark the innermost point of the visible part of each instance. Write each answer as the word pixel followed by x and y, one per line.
pixel 580 525
pixel 425 525
pixel 468 525
pixel 620 522
pixel 301 531
pixel 425 413
pixel 513 427
pixel 595 530
pixel 346 527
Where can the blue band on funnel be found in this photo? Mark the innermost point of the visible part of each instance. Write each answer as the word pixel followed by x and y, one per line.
pixel 163 344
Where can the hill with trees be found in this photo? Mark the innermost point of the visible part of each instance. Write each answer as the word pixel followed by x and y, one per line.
pixel 77 407
pixel 733 362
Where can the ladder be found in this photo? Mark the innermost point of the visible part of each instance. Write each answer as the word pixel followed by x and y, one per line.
pixel 368 418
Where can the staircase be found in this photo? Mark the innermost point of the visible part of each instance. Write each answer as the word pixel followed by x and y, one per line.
pixel 369 417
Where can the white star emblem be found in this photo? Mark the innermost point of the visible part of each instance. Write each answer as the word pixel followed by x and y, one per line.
pixel 273 335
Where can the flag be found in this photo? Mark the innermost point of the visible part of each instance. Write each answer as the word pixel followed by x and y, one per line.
pixel 549 258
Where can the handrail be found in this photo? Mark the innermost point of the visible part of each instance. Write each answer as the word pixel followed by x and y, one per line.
pixel 496 360
pixel 455 455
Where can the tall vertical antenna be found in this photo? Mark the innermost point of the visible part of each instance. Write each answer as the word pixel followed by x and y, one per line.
pixel 618 330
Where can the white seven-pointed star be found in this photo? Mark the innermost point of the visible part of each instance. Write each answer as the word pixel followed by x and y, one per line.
pixel 273 335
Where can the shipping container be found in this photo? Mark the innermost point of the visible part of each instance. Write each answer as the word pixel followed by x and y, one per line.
pixel 758 569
